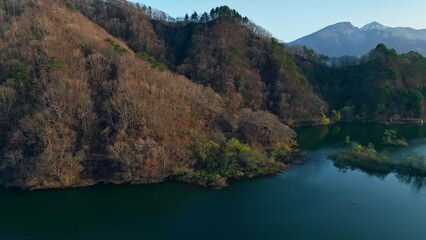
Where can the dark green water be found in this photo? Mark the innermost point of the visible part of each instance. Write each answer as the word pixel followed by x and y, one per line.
pixel 310 201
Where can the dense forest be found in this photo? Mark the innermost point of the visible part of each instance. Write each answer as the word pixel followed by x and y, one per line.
pixel 250 69
pixel 222 50
pixel 109 91
pixel 78 107
pixel 379 86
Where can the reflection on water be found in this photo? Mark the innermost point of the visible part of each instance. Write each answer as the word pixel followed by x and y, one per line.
pixel 417 182
pixel 311 138
pixel 313 200
pixel 337 136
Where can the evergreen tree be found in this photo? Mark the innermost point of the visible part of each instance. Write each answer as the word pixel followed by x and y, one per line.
pixel 204 17
pixel 194 17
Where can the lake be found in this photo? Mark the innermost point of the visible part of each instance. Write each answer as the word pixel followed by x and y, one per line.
pixel 313 200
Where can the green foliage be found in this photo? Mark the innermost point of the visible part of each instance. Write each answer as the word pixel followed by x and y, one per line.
pixel 69 5
pixel 390 138
pixel 226 11
pixel 154 63
pixel 379 86
pixel 54 63
pixel 367 159
pixel 382 49
pixel 324 119
pixel 389 135
pixel 215 13
pixel 20 72
pixel 347 113
pixel 336 115
pixel 37 31
pixel 285 59
pixel 231 160
pixel 204 178
pixel 283 153
pixel 116 46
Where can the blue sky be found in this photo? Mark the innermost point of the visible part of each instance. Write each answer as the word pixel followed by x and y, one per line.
pixel 290 19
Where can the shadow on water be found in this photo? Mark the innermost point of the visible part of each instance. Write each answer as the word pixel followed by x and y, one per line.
pixel 314 138
pixel 417 182
pixel 309 201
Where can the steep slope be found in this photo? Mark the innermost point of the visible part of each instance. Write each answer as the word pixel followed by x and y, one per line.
pixel 125 21
pixel 79 107
pixel 345 39
pixel 383 86
pixel 248 70
pixel 227 52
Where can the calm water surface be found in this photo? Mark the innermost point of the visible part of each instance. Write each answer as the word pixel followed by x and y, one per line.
pixel 310 201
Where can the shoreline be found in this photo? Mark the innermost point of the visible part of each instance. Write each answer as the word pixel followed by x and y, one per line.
pixel 399 121
pixel 298 159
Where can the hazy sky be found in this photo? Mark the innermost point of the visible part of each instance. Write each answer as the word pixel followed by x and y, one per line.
pixel 290 19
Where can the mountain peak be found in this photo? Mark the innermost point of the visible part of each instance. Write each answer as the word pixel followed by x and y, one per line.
pixel 343 38
pixel 373 26
pixel 343 24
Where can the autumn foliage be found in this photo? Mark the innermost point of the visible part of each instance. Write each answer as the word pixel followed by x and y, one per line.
pixel 78 106
pixel 220 49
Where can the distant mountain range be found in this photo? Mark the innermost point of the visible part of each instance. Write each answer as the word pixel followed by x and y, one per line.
pixel 345 39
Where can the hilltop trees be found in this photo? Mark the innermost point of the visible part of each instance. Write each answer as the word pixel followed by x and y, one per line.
pixel 227 52
pixel 79 106
pixel 194 17
pixel 239 60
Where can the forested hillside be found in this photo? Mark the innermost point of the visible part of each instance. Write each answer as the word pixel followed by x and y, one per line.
pixel 380 86
pixel 220 49
pixel 78 107
pixel 109 91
